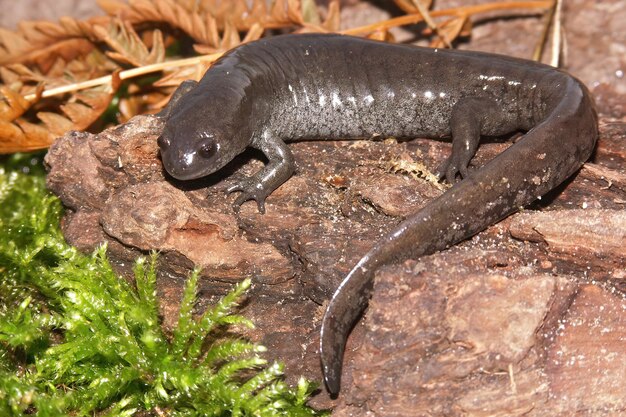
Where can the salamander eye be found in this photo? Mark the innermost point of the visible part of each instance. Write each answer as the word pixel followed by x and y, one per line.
pixel 207 150
pixel 163 142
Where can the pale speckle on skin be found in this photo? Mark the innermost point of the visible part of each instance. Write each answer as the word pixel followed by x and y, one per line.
pixel 491 77
pixel 336 101
pixel 306 96
pixel 295 96
pixel 189 157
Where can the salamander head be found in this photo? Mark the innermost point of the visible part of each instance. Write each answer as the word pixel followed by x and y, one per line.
pixel 193 145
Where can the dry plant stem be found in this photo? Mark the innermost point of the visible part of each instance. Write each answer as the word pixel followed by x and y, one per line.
pixel 431 23
pixel 556 34
pixel 547 23
pixel 124 75
pixel 459 11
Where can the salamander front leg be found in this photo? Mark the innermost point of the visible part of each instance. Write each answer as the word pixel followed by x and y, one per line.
pixel 466 123
pixel 280 167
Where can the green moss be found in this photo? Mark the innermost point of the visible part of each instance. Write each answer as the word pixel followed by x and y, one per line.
pixel 76 339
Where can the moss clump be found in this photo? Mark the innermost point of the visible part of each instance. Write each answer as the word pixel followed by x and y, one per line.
pixel 76 340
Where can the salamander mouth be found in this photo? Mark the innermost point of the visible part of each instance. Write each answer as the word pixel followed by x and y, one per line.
pixel 192 165
pixel 188 175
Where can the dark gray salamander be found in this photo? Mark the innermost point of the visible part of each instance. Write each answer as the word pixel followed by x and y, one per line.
pixel 325 87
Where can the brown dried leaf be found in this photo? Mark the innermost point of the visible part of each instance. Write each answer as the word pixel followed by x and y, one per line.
pixel 466 30
pixel 381 35
pixel 11 44
pixel 241 13
pixel 190 72
pixel 449 31
pixel 230 38
pixel 18 134
pixel 197 18
pixel 113 7
pixel 10 132
pixel 294 12
pixel 409 6
pixel 140 103
pixel 309 12
pixel 20 74
pixel 92 65
pixel 333 17
pixel 201 28
pixel 44 42
pixel 55 123
pixel 279 10
pixel 255 32
pixel 35 137
pixel 40 31
pixel 9 77
pixel 258 9
pixel 127 45
pixel 12 104
pixel 79 114
pixel 25 80
pixel 45 58
pixel 87 105
pixel 15 137
pixel 212 36
pixel 142 8
pixel 12 137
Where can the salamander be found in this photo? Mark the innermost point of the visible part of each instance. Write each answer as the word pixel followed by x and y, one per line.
pixel 329 87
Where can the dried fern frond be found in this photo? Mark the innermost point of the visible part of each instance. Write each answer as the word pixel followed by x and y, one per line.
pixel 42 43
pixel 203 20
pixel 20 133
pixel 463 11
pixel 60 56
pixel 128 47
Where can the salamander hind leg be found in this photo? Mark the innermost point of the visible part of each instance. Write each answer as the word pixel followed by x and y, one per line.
pixel 279 168
pixel 466 124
